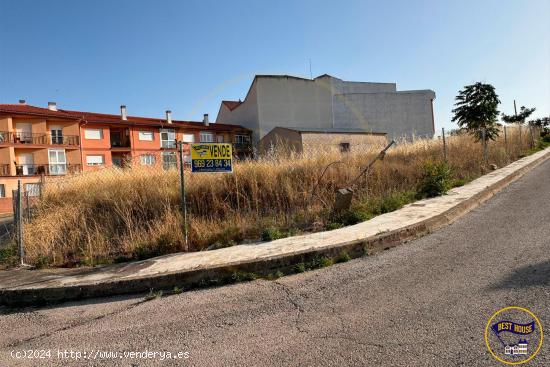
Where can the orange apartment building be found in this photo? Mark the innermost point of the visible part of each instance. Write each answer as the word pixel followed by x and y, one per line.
pixel 36 141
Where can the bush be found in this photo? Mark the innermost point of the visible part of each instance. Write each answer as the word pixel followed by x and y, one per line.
pixel 436 180
pixel 353 216
pixel 300 267
pixel 457 182
pixel 343 257
pixel 395 201
pixel 333 225
pixel 271 234
pixel 9 255
pixel 242 276
pixel 324 262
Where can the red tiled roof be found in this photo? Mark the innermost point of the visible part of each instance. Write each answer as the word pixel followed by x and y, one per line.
pixel 32 110
pixel 23 109
pixel 232 104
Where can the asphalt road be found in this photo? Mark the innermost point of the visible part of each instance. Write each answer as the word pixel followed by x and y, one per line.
pixel 425 303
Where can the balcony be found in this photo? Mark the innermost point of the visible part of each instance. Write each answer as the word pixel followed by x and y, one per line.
pixel 242 146
pixel 5 170
pixel 64 140
pixel 168 144
pixel 53 169
pixel 120 139
pixel 11 137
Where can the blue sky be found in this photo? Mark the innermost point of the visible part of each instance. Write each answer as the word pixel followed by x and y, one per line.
pixel 189 55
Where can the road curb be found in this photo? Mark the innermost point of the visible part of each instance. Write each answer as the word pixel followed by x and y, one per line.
pixel 286 262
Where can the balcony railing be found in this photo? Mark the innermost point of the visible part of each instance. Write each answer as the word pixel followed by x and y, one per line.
pixel 46 169
pixel 64 140
pixel 117 142
pixel 5 170
pixel 39 139
pixel 242 146
pixel 168 144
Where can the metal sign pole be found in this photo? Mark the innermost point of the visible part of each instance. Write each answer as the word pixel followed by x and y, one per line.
pixel 20 223
pixel 444 144
pixel 506 141
pixel 183 199
pixel 484 138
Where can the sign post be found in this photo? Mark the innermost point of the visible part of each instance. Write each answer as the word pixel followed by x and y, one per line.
pixel 211 157
pixel 183 199
pixel 20 222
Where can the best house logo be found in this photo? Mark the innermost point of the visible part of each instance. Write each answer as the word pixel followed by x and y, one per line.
pixel 514 335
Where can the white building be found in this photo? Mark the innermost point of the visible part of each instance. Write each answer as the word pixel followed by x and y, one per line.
pixel 327 102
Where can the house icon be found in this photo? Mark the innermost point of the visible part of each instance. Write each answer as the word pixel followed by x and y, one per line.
pixel 518 349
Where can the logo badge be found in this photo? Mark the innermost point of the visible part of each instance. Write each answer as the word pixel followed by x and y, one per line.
pixel 514 335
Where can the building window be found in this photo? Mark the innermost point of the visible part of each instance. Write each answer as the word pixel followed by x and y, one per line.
pixel 93 134
pixel 188 138
pixel 23 132
pixel 147 159
pixel 242 139
pixel 169 160
pixel 168 138
pixel 207 137
pixel 2 191
pixel 32 189
pixel 95 160
pixel 219 138
pixel 57 161
pixel 56 133
pixel 146 136
pixel 344 147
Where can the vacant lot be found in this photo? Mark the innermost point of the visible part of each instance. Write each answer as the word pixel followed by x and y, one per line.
pixel 115 215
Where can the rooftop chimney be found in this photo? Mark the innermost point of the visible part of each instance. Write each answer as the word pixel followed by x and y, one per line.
pixel 22 101
pixel 123 114
pixel 205 120
pixel 52 106
pixel 169 116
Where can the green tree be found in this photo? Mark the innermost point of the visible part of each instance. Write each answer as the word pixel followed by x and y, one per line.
pixel 476 109
pixel 543 123
pixel 520 118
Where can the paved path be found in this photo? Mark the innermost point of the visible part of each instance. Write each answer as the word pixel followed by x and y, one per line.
pixel 425 303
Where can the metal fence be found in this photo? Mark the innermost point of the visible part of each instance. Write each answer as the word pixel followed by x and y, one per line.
pixel 514 137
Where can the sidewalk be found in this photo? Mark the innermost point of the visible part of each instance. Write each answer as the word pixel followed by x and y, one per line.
pixel 187 270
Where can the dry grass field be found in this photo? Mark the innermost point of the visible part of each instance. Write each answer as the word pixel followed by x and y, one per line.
pixel 120 214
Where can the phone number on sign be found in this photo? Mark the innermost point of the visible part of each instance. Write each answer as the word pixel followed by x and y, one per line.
pixel 212 163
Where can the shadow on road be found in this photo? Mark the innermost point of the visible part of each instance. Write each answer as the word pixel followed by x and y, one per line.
pixel 137 298
pixel 526 276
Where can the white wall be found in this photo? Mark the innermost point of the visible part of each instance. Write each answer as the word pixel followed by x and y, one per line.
pixel 293 102
pixel 245 115
pixel 401 114
pixel 327 102
pixel 340 86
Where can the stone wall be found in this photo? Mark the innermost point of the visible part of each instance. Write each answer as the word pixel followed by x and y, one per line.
pixel 331 142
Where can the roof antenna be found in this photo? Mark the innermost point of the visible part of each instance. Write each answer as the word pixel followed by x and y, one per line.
pixel 310 74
